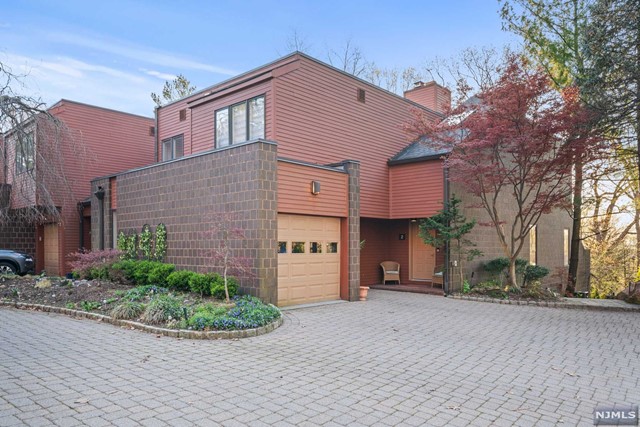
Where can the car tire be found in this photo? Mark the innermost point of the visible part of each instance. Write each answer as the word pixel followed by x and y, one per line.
pixel 7 268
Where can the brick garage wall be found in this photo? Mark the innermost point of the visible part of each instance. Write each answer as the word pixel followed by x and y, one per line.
pixel 186 193
pixel 550 249
pixel 18 236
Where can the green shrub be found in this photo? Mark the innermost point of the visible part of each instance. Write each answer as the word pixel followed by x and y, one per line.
pixel 217 287
pixel 160 249
pixel 534 272
pixel 160 273
pixel 142 272
pixel 179 280
pixel 145 242
pixel 201 283
pixel 162 309
pixel 89 305
pixel 123 271
pixel 127 310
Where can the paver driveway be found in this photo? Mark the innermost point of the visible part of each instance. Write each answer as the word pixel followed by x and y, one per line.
pixel 398 359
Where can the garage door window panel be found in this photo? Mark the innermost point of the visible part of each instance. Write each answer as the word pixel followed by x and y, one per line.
pixel 282 247
pixel 332 247
pixel 298 247
pixel 315 247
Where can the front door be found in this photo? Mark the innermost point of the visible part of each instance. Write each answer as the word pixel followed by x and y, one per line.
pixel 423 256
pixel 51 253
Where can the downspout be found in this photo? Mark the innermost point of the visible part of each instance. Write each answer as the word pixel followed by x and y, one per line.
pixel 100 196
pixel 81 212
pixel 156 133
pixel 446 275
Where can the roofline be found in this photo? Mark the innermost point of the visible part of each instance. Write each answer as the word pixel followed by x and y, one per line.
pixel 229 80
pixel 63 100
pixel 266 67
pixel 416 159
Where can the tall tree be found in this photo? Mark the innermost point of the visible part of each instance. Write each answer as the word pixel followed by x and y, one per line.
pixel 514 150
pixel 173 90
pixel 553 32
pixel 612 48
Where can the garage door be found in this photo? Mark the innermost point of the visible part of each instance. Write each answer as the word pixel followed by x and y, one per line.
pixel 51 249
pixel 308 259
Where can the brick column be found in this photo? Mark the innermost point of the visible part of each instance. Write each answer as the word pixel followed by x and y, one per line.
pixel 352 167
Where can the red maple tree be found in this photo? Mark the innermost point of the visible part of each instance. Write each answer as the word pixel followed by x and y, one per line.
pixel 512 146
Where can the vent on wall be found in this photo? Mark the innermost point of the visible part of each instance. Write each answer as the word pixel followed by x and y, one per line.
pixel 152 131
pixel 361 95
pixel 183 115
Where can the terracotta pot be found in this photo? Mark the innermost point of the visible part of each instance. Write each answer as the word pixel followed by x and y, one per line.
pixel 364 290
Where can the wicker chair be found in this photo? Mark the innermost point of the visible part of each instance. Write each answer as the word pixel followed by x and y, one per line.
pixel 438 276
pixel 391 271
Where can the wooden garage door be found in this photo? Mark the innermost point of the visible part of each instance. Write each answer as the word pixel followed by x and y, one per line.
pixel 51 249
pixel 308 259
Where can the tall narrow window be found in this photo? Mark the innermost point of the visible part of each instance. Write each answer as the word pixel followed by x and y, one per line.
pixel 533 245
pixel 240 122
pixel 25 153
pixel 565 252
pixel 172 148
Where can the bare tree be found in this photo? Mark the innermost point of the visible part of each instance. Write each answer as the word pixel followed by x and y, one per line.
pixel 349 58
pixel 33 147
pixel 173 90
pixel 297 42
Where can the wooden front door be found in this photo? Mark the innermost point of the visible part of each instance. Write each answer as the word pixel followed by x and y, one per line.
pixel 423 257
pixel 51 253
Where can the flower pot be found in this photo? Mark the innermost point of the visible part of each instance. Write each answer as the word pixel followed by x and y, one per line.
pixel 364 290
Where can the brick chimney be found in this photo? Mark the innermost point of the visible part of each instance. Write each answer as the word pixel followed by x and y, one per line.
pixel 431 95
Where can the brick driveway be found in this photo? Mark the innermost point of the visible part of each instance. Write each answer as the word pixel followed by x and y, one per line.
pixel 399 359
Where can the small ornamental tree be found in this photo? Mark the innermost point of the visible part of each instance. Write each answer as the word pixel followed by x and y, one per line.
pixel 224 234
pixel 513 150
pixel 450 226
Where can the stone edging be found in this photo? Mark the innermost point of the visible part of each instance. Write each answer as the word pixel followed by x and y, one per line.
pixel 552 304
pixel 174 333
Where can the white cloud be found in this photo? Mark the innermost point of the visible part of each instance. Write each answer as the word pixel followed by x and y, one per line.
pixel 158 74
pixel 63 77
pixel 137 53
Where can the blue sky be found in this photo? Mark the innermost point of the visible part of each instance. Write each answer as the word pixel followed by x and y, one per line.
pixel 115 53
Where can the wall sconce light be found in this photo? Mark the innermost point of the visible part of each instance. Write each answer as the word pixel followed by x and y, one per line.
pixel 315 187
pixel 414 220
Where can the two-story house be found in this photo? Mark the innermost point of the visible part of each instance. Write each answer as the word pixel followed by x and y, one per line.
pixel 314 166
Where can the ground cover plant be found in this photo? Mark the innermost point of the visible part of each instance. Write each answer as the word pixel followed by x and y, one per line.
pixel 146 291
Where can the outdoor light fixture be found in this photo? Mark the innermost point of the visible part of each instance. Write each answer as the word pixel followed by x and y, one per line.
pixel 315 187
pixel 414 220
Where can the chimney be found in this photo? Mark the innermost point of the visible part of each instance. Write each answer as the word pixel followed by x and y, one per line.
pixel 430 95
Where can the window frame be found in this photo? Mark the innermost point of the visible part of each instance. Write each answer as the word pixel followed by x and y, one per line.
pixel 25 161
pixel 173 140
pixel 247 121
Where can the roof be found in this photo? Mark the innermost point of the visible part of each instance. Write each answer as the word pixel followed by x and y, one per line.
pixel 420 150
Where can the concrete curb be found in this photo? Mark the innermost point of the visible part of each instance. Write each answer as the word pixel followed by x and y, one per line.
pixel 551 304
pixel 174 333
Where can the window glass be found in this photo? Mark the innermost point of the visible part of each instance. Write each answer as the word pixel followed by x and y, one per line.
pixel 239 126
pixel 166 150
pixel 533 242
pixel 222 128
pixel 256 118
pixel 282 247
pixel 297 247
pixel 315 247
pixel 332 247
pixel 178 147
pixel 25 153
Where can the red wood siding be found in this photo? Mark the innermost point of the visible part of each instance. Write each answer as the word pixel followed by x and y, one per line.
pixel 294 190
pixel 98 142
pixel 416 189
pixel 320 120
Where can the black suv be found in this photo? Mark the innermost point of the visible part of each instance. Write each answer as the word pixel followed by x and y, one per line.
pixel 12 262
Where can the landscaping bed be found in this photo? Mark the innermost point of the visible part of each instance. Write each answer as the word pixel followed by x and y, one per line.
pixel 147 292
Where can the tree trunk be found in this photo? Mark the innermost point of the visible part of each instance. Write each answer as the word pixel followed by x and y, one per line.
pixel 513 282
pixel 577 225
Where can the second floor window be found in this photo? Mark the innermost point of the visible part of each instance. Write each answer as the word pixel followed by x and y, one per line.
pixel 172 148
pixel 240 122
pixel 25 153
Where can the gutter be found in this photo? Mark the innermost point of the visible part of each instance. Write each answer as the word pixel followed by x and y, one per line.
pixel 157 132
pixel 446 275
